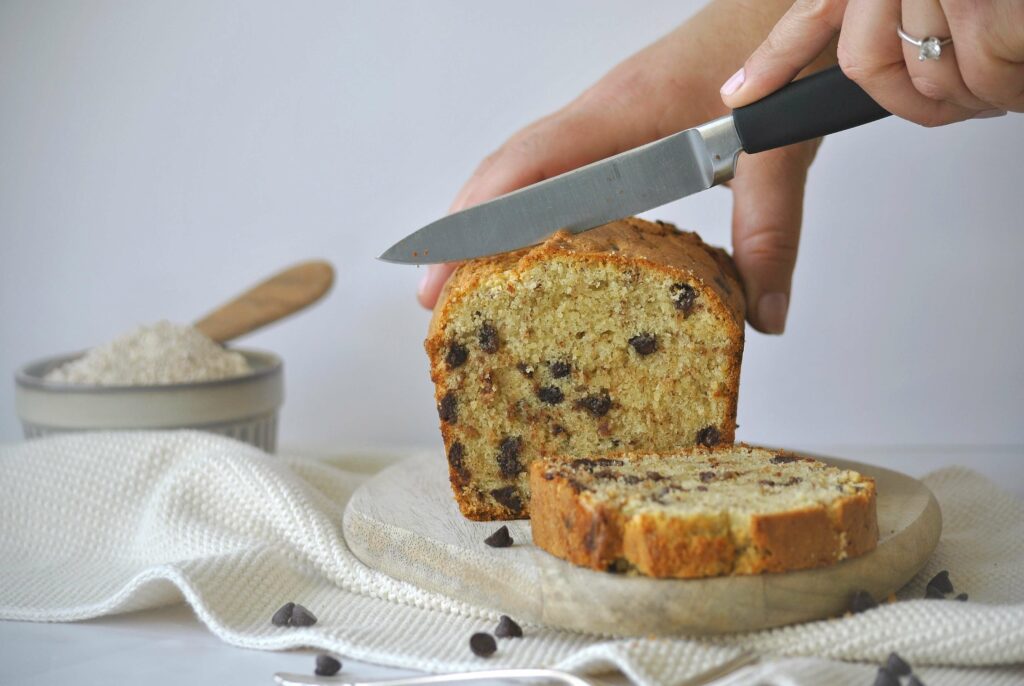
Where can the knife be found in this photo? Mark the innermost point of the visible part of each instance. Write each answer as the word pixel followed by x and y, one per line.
pixel 643 178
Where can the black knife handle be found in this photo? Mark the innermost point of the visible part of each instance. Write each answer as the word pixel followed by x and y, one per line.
pixel 820 104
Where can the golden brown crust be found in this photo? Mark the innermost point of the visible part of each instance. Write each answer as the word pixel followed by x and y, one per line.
pixel 571 525
pixel 629 242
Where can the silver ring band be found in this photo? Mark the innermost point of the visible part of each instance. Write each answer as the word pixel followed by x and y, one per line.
pixel 930 48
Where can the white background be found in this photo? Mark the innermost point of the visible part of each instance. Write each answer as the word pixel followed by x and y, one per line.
pixel 156 158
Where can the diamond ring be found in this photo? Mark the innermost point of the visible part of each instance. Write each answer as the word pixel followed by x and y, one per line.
pixel 930 47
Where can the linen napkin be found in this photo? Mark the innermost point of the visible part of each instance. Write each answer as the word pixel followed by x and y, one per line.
pixel 104 523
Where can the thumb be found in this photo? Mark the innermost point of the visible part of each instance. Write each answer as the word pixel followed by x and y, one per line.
pixel 796 41
pixel 767 212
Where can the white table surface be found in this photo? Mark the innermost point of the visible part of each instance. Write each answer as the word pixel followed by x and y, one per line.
pixel 170 646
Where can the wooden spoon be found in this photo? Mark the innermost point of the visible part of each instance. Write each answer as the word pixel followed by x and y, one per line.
pixel 283 294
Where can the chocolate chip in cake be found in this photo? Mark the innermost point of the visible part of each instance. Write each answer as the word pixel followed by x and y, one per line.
pixel 708 436
pixel 482 645
pixel 632 479
pixel 302 617
pixel 766 482
pixel 326 665
pixel 597 404
pixel 684 296
pixel 508 456
pixel 897 665
pixel 784 459
pixel 560 369
pixel 886 678
pixel 932 593
pixel 507 628
pixel 447 409
pixel 861 601
pixel 525 369
pixel 702 489
pixel 552 395
pixel 962 597
pixel 456 458
pixel 500 538
pixel 644 344
pixel 509 498
pixel 283 616
pixel 558 430
pixel 708 477
pixel 940 582
pixel 488 338
pixel 457 356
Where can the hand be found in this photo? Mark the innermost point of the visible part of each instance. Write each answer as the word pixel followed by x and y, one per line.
pixel 981 74
pixel 667 87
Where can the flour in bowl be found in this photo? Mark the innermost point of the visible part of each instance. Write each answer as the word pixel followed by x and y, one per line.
pixel 163 353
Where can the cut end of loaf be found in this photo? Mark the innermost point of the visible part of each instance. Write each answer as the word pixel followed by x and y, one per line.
pixel 627 337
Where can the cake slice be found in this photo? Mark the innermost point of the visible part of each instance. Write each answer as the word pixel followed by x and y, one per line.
pixel 627 337
pixel 701 512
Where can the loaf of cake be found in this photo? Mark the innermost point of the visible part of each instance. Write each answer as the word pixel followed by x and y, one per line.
pixel 627 337
pixel 701 512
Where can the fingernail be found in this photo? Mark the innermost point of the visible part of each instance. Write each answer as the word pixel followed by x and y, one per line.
pixel 734 83
pixel 990 114
pixel 771 312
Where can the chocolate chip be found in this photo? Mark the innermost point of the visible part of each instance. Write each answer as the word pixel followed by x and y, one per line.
pixel 560 369
pixel 684 296
pixel 283 616
pixel 457 355
pixel 326 665
pixel 488 338
pixel 507 628
pixel 447 409
pixel 702 489
pixel 302 617
pixel 861 601
pixel 557 430
pixel 708 477
pixel 632 479
pixel 940 582
pixel 766 482
pixel 456 458
pixel 597 405
pixel 932 593
pixel 500 538
pixel 962 597
pixel 525 369
pixel 509 497
pixel 552 395
pixel 644 344
pixel 897 665
pixel 784 459
pixel 482 645
pixel 886 678
pixel 914 681
pixel 508 456
pixel 793 481
pixel 655 476
pixel 618 566
pixel 708 436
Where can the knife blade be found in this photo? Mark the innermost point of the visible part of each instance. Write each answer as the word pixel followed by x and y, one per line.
pixel 643 178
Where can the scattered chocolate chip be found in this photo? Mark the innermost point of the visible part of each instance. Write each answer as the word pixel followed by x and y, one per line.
pixel 552 395
pixel 456 458
pixel 897 665
pixel 632 479
pixel 644 344
pixel 508 456
pixel 507 628
pixel 482 645
pixel 886 678
pixel 766 482
pixel 457 355
pixel 500 538
pixel 488 338
pixel 447 409
pixel 793 481
pixel 302 617
pixel 914 681
pixel 684 296
pixel 861 601
pixel 283 616
pixel 962 597
pixel 560 369
pixel 708 436
pixel 508 497
pixel 932 593
pixel 784 459
pixel 940 582
pixel 525 369
pixel 707 477
pixel 326 665
pixel 597 405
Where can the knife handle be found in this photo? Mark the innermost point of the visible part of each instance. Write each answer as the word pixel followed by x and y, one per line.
pixel 822 103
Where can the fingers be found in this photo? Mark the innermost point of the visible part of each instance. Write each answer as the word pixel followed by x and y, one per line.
pixel 988 41
pixel 432 283
pixel 871 54
pixel 798 38
pixel 767 214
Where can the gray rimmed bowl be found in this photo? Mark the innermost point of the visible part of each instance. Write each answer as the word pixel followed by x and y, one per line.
pixel 242 407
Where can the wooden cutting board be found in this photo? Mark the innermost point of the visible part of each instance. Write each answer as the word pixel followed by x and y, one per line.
pixel 405 523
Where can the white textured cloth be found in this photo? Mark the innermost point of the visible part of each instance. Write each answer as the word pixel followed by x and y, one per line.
pixel 106 523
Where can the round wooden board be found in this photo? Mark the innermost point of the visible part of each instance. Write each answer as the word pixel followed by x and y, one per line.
pixel 405 523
